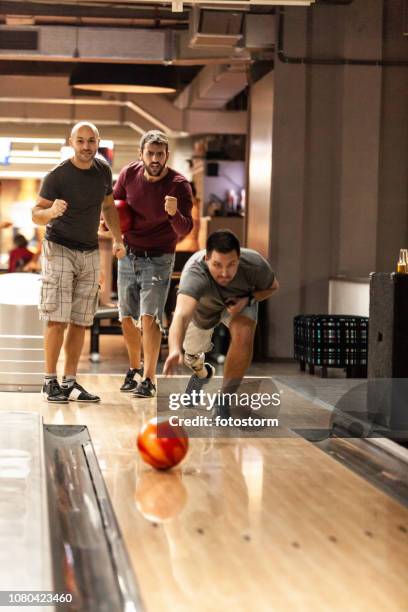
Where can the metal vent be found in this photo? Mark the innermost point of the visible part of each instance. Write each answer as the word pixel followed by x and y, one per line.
pixel 215 28
pixel 18 40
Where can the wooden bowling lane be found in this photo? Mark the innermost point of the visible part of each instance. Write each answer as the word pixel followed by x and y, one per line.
pixel 274 524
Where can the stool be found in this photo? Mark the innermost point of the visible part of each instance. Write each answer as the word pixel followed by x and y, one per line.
pixel 97 329
pixel 335 341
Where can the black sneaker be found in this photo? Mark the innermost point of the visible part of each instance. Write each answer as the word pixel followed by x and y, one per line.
pixel 221 410
pixel 145 389
pixel 132 378
pixel 196 383
pixel 52 392
pixel 76 393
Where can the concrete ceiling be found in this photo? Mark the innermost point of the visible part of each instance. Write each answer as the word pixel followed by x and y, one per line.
pixel 40 42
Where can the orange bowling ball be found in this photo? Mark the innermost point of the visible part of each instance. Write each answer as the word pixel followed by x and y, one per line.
pixel 162 445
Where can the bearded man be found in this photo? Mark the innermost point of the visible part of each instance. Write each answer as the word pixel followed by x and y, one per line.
pixel 161 201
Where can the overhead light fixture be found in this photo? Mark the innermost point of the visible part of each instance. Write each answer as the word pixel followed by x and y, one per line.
pixel 124 78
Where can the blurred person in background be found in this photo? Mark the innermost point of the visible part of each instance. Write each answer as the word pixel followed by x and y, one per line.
pixel 20 255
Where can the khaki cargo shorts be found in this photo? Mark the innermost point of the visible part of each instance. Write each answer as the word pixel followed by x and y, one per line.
pixel 198 340
pixel 70 283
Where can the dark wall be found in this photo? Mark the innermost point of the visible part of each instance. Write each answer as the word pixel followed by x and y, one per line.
pixel 338 200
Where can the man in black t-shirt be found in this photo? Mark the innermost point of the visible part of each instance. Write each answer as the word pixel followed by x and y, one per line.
pixel 70 202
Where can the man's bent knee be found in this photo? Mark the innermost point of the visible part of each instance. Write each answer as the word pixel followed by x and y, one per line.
pixel 242 331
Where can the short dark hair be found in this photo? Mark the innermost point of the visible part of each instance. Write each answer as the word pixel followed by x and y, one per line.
pixel 20 241
pixel 154 137
pixel 223 241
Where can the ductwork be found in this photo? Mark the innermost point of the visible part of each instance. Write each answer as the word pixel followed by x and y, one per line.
pixel 86 44
pixel 130 45
pixel 213 87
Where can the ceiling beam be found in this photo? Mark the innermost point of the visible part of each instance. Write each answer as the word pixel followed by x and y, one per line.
pixel 41 97
pixel 109 10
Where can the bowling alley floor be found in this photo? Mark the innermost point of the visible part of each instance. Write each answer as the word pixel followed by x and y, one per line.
pixel 244 523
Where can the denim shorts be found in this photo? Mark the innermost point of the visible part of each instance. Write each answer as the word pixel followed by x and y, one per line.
pixel 198 340
pixel 143 285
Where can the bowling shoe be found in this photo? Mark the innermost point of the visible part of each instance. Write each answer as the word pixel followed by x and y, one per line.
pixel 222 410
pixel 76 393
pixel 132 378
pixel 52 392
pixel 145 389
pixel 196 383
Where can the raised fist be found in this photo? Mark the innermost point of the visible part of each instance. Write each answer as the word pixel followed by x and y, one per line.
pixel 170 205
pixel 58 208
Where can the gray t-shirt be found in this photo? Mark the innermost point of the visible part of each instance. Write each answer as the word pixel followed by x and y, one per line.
pixel 84 192
pixel 254 273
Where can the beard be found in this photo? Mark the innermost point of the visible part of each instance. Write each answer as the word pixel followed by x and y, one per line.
pixel 87 154
pixel 155 170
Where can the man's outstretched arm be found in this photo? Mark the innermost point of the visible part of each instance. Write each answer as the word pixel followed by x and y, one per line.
pixel 185 308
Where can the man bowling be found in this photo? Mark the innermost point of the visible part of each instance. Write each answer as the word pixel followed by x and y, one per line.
pixel 221 284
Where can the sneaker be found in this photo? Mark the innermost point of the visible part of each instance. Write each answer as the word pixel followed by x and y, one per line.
pixel 196 383
pixel 76 393
pixel 222 410
pixel 145 389
pixel 132 378
pixel 52 392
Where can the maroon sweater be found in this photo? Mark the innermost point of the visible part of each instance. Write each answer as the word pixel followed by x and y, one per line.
pixel 153 228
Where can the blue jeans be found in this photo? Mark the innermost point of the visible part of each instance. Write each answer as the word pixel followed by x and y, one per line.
pixel 143 285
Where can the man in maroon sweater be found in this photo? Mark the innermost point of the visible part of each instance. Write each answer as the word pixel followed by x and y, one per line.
pixel 161 200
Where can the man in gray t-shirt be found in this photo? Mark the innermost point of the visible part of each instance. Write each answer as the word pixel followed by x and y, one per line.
pixel 224 284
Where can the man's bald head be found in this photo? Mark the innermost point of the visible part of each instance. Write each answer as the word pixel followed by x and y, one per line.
pixel 85 142
pixel 84 124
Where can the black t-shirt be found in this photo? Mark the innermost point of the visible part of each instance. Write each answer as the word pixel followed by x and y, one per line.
pixel 84 192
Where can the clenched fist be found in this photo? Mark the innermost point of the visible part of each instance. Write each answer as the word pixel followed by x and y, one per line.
pixel 119 250
pixel 170 205
pixel 58 208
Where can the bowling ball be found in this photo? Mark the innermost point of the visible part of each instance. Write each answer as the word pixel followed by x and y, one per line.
pixel 126 215
pixel 162 445
pixel 160 496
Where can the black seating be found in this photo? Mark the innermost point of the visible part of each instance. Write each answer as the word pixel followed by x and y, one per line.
pixel 101 314
pixel 332 341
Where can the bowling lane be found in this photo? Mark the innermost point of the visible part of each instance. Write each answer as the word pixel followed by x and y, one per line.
pixel 274 523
